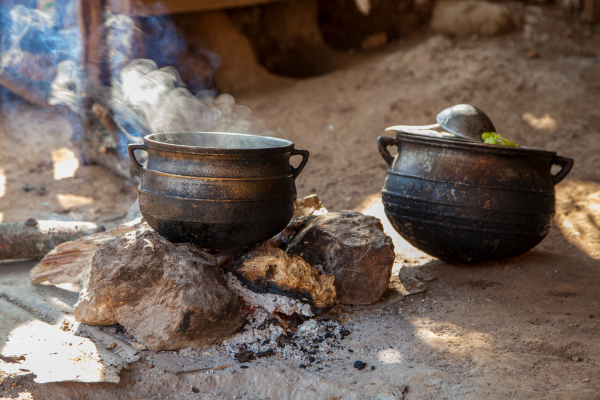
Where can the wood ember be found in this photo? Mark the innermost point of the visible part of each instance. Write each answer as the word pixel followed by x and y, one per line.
pixel 70 262
pixel 35 239
pixel 268 301
pixel 268 269
pixel 285 235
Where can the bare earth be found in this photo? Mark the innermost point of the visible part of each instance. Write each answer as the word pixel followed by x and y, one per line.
pixel 527 327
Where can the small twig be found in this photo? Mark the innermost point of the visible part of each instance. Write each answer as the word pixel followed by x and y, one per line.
pixel 208 369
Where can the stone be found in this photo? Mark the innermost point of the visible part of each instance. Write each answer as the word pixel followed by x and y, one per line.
pixel 70 262
pixel 472 17
pixel 268 269
pixel 166 295
pixel 353 248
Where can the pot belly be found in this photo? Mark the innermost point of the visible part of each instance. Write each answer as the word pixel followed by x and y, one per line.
pixel 465 223
pixel 216 213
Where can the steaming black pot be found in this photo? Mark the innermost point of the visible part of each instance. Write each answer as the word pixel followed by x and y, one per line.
pixel 466 201
pixel 218 190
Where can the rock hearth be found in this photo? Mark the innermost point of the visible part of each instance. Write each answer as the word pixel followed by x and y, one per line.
pixel 166 295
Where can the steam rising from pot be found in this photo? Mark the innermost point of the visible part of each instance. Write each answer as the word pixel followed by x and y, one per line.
pixel 160 99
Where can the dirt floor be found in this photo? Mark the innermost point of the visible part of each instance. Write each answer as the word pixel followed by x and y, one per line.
pixel 527 327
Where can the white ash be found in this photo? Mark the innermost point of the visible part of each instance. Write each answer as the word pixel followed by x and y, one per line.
pixel 260 328
pixel 315 345
pixel 268 301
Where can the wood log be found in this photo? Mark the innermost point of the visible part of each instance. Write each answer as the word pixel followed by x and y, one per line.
pixel 35 67
pixel 82 12
pixel 35 239
pixel 70 262
pixel 268 269
pixel 27 91
pixel 95 50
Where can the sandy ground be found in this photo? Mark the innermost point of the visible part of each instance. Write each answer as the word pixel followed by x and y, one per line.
pixel 524 328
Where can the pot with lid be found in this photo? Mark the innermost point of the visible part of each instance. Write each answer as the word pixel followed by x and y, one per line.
pixel 466 201
pixel 218 190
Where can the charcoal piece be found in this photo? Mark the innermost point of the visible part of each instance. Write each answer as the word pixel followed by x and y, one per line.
pixel 245 356
pixel 359 365
pixel 195 390
pixel 266 353
pixel 344 332
pixel 302 366
pixel 282 340
pixel 311 359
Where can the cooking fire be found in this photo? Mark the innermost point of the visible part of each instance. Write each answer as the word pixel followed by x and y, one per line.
pixel 307 199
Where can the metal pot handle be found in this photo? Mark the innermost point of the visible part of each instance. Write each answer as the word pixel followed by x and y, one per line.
pixel 304 154
pixel 383 142
pixel 566 164
pixel 130 149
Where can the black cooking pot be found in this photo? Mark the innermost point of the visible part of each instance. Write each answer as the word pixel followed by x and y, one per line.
pixel 468 202
pixel 218 190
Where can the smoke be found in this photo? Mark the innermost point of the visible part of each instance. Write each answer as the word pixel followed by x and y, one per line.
pixel 43 46
pixel 159 97
pixel 39 33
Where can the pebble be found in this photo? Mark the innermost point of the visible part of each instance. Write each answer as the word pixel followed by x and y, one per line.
pixel 138 346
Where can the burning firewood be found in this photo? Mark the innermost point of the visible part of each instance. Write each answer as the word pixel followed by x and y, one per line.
pixel 34 239
pixel 268 269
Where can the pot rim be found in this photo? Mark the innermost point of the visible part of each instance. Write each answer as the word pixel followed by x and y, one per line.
pixel 522 151
pixel 284 147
